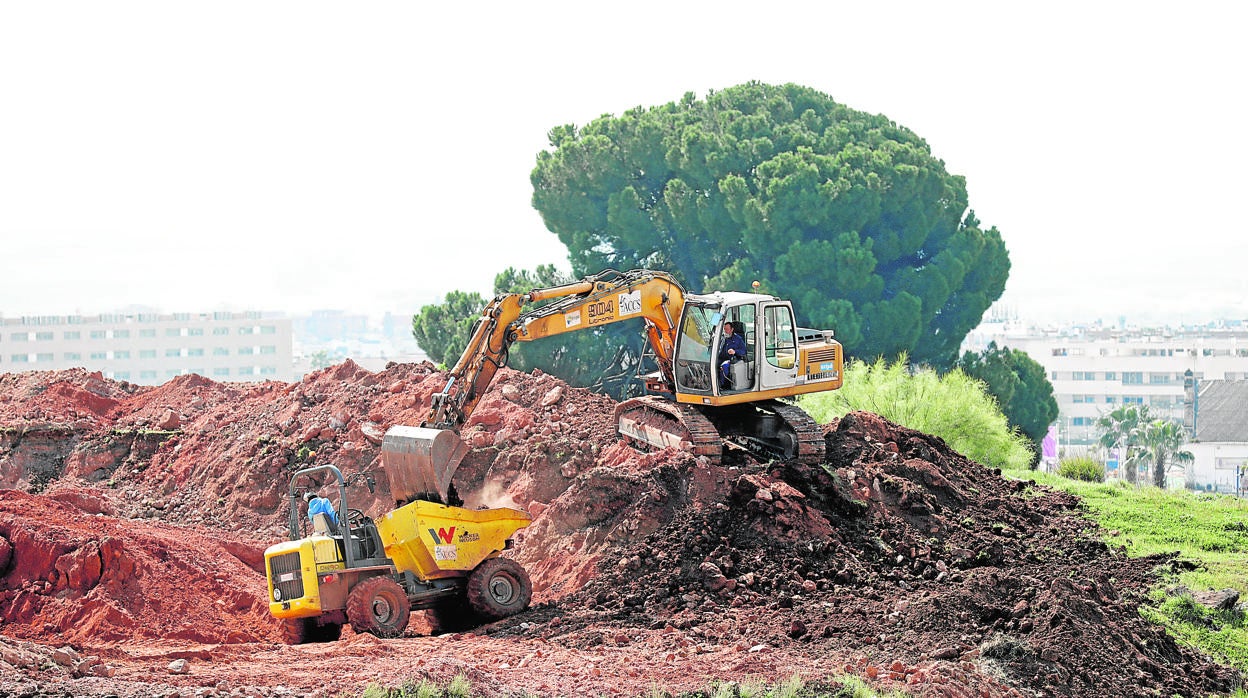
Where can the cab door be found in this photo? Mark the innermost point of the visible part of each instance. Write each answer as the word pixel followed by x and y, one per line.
pixel 777 362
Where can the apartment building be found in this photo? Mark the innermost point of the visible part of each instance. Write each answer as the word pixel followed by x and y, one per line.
pixel 151 348
pixel 1095 369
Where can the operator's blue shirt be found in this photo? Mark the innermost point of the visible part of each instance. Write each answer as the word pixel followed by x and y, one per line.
pixel 321 505
pixel 736 342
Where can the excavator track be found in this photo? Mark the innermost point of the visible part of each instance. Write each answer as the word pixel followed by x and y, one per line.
pixel 770 428
pixel 811 448
pixel 658 423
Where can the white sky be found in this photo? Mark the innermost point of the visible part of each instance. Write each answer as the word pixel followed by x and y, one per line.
pixel 373 156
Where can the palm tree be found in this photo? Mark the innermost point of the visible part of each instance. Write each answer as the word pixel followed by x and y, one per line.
pixel 1121 429
pixel 1162 439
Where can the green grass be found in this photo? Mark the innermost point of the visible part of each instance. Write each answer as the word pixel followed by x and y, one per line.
pixel 793 687
pixel 1208 530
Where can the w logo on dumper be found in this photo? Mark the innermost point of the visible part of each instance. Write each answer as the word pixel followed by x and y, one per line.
pixel 442 535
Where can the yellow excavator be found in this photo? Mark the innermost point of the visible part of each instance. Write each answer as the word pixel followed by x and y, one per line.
pixel 429 553
pixel 696 401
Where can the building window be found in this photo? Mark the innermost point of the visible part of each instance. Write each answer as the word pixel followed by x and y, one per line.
pixel 1111 376
pixel 147 375
pixel 1081 421
pixel 72 334
pixel 268 350
pixel 147 333
pixel 43 336
pixel 1159 379
pixel 195 332
pixel 1129 400
pixel 1110 399
pixel 245 330
pixel 246 351
pixel 220 371
pixel 246 371
pixel 197 351
pixel 72 356
pixel 268 329
pixel 99 355
pixel 19 336
pixel 173 332
pixel 122 375
pixel 218 331
pixel 122 354
pixel 268 370
pixel 44 357
pixel 147 353
pixel 173 352
pixel 98 334
pixel 20 358
pixel 1133 378
pixel 220 351
pixel 121 334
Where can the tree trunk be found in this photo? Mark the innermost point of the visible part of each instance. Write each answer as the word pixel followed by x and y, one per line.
pixel 1159 471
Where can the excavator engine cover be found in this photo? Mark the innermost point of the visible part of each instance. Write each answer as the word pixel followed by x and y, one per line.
pixel 419 462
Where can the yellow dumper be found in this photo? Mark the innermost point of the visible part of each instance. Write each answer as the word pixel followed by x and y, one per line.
pixel 372 574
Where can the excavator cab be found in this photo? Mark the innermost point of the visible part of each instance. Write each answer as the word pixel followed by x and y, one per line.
pixel 771 337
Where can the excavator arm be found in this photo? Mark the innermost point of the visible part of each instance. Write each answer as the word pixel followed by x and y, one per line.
pixel 602 299
pixel 421 460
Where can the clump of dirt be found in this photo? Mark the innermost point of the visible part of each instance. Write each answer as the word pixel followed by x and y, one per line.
pixel 895 559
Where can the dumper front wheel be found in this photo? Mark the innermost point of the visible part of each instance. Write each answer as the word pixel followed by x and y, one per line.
pixel 379 606
pixel 499 587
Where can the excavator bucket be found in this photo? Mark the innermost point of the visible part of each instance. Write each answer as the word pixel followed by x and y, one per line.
pixel 420 462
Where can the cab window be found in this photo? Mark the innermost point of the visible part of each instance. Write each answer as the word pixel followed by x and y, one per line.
pixel 780 347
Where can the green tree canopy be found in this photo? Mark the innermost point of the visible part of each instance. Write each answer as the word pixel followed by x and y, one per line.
pixel 846 213
pixel 442 330
pixel 1021 388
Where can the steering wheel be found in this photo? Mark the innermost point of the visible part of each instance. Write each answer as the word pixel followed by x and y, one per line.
pixel 355 517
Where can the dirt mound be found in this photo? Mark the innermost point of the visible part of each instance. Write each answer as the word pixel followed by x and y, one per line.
pixel 896 559
pixel 75 575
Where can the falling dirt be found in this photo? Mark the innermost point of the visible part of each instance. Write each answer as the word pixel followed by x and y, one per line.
pixel 133 521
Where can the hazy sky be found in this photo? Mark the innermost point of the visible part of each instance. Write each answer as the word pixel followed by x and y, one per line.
pixel 373 156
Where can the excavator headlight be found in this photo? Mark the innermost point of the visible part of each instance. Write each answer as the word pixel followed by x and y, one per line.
pixel 277 594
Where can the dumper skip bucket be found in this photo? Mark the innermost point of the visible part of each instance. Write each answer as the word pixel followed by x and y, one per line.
pixel 419 462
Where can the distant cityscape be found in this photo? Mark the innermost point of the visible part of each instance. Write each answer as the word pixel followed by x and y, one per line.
pixel 1094 367
pixel 149 348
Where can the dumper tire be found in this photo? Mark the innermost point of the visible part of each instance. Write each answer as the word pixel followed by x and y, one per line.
pixel 451 617
pixel 297 631
pixel 378 605
pixel 499 587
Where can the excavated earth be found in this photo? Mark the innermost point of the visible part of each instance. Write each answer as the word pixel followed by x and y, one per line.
pixel 133 520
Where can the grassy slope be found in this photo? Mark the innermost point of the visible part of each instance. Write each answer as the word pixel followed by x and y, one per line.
pixel 1210 531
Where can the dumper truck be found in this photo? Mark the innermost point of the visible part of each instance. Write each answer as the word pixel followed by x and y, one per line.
pixel 372 574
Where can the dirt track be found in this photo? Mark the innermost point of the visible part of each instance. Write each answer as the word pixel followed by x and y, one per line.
pixel 897 560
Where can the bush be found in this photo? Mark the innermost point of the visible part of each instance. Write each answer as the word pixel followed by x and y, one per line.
pixel 1081 468
pixel 955 407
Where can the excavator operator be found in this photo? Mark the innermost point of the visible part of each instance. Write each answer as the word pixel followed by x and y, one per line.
pixel 731 349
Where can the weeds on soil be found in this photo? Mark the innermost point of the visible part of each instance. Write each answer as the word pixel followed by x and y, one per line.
pixel 793 687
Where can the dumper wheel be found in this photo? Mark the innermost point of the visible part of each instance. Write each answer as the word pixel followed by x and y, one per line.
pixel 297 631
pixel 499 587
pixel 451 617
pixel 379 606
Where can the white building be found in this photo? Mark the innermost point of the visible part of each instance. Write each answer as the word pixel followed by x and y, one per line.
pixel 1095 369
pixel 151 348
pixel 1218 416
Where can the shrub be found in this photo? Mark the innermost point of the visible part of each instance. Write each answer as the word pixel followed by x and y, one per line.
pixel 1081 468
pixel 955 407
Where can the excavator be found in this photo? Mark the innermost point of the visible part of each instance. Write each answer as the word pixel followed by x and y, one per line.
pixel 694 401
pixel 430 553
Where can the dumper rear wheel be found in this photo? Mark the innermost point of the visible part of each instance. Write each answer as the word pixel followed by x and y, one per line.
pixel 297 631
pixel 499 587
pixel 378 605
